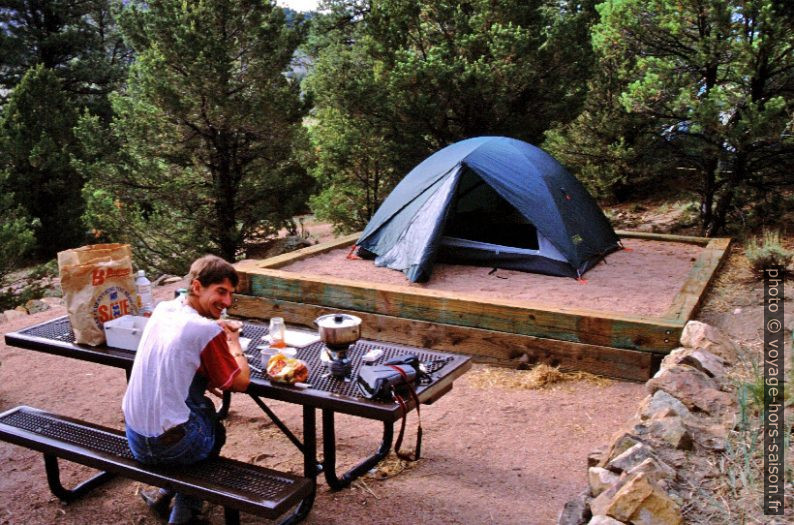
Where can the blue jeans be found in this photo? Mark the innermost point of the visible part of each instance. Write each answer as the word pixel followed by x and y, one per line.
pixel 203 438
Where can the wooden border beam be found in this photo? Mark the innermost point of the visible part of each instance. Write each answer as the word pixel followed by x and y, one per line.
pixel 486 345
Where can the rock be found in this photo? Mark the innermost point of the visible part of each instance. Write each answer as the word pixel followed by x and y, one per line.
pixel 706 362
pixel 656 470
pixel 712 437
pixel 3 320
pixel 55 291
pixel 596 455
pixel 35 306
pixel 576 511
pixel 661 400
pixel 11 315
pixel 604 520
pixel 692 387
pixel 53 301
pixel 671 430
pixel 600 479
pixel 641 502
pixel 707 337
pixel 599 504
pixel 622 443
pixel 674 357
pixel 166 279
pixel 630 458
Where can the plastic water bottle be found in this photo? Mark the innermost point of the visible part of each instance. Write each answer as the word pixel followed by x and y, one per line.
pixel 143 287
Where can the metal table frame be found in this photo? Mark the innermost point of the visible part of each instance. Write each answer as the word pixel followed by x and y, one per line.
pixel 327 394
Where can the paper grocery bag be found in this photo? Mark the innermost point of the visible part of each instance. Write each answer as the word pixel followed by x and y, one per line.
pixel 98 286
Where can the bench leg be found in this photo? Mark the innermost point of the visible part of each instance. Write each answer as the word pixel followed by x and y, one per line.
pixel 309 466
pixel 64 494
pixel 231 515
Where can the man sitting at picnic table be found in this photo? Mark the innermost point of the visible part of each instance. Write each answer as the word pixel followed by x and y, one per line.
pixel 185 349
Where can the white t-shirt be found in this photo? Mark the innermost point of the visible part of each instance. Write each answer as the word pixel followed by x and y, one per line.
pixel 176 343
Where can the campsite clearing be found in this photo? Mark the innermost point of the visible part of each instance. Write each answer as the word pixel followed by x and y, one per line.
pixel 627 316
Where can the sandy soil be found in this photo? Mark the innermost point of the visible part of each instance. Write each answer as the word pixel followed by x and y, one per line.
pixel 501 456
pixel 491 456
pixel 642 280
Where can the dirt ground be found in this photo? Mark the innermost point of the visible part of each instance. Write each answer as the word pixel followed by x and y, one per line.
pixel 491 455
pixel 641 280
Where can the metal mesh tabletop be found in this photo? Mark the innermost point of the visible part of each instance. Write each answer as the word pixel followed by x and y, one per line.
pixel 59 331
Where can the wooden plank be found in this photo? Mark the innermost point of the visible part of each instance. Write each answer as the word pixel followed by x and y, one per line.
pixel 486 345
pixel 574 325
pixel 701 241
pixel 288 258
pixel 688 300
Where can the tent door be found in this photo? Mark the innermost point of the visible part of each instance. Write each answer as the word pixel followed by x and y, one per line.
pixel 482 215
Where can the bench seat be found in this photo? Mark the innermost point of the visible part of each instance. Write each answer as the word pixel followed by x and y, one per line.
pixel 235 485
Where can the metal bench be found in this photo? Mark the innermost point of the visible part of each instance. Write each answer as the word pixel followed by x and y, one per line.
pixel 235 485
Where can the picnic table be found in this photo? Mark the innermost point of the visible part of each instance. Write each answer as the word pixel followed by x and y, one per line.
pixel 325 392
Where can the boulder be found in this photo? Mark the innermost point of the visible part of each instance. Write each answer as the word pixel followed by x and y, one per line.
pixel 709 436
pixel 692 387
pixel 576 511
pixel 656 470
pixel 706 362
pixel 35 306
pixel 661 400
pixel 669 428
pixel 596 456
pixel 620 443
pixel 11 315
pixel 600 479
pixel 641 502
pixel 674 357
pixel 603 520
pixel 630 458
pixel 703 336
pixel 52 301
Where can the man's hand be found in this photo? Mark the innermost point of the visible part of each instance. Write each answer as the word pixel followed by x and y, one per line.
pixel 217 392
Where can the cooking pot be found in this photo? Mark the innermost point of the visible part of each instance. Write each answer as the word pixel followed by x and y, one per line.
pixel 338 330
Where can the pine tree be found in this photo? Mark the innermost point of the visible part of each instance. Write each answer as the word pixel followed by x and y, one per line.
pixel 715 78
pixel 396 80
pixel 207 133
pixel 37 141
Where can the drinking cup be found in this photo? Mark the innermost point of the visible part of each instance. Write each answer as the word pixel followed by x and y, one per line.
pixel 276 332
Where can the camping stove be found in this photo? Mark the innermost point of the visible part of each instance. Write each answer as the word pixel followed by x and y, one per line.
pixel 341 366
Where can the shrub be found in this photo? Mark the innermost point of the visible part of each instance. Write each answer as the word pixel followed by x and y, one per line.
pixel 767 252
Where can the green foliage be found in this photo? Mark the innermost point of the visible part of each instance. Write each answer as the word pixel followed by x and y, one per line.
pixel 36 139
pixel 713 80
pixel 767 252
pixel 395 80
pixel 79 41
pixel 16 232
pixel 204 143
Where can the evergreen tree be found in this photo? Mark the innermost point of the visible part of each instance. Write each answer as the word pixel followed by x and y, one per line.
pixel 78 40
pixel 206 135
pixel 16 231
pixel 396 80
pixel 37 142
pixel 716 80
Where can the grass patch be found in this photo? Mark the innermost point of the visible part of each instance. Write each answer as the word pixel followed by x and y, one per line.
pixel 538 377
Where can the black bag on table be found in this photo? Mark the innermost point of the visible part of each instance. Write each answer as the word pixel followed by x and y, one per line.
pixel 394 380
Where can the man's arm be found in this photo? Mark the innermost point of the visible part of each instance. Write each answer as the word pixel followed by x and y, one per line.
pixel 241 380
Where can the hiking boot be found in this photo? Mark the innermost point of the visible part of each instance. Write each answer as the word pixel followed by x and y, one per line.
pixel 158 500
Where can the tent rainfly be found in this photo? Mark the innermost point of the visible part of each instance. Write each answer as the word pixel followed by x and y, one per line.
pixel 489 201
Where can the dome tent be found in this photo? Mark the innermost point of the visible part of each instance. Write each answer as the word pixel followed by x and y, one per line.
pixel 489 201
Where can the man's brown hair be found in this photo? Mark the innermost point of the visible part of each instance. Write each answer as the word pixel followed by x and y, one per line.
pixel 211 269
